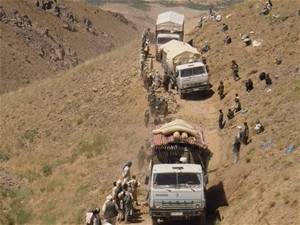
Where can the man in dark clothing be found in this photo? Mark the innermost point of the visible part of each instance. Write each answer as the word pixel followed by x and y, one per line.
pixel 156 120
pixel 110 210
pixel 224 27
pixel 249 85
pixel 227 39
pixel 166 81
pixel 146 117
pixel 93 217
pixel 238 105
pixel 149 81
pixel 268 80
pixel 221 119
pixel 245 134
pixel 221 90
pixel 128 202
pixel 235 70
pixel 96 220
pixel 230 114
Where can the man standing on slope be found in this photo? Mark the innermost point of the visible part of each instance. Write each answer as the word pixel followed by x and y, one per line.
pixel 110 210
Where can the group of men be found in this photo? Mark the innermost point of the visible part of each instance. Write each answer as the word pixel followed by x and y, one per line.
pixel 243 134
pixel 119 206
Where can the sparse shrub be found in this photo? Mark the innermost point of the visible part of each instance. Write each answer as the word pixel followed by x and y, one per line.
pixel 88 99
pixel 272 204
pixel 271 112
pixel 20 143
pixel 79 121
pixel 89 149
pixel 19 212
pixel 297 87
pixel 277 194
pixel 30 135
pixel 266 103
pixel 262 189
pixel 251 151
pixel 250 6
pixel 49 218
pixel 247 160
pixel 287 164
pixel 78 216
pixel 286 177
pixel 286 199
pixel 47 170
pixel 5 154
pixel 32 175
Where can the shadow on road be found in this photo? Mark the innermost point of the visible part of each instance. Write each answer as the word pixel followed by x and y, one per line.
pixel 198 96
pixel 216 198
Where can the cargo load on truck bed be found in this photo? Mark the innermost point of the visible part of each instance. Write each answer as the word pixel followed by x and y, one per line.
pixel 170 22
pixel 178 139
pixel 176 53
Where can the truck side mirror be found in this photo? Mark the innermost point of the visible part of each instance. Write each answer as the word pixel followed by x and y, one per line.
pixel 146 179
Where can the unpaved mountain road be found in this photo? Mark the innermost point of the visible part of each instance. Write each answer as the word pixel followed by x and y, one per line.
pixel 198 108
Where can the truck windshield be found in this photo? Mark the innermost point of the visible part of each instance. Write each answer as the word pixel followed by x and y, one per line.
pixel 162 180
pixel 193 71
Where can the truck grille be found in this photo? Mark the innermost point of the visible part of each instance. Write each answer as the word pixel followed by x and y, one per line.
pixel 194 85
pixel 177 205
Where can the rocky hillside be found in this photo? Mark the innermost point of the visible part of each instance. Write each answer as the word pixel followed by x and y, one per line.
pixel 65 138
pixel 41 38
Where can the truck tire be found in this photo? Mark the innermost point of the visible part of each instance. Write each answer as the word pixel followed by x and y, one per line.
pixel 181 95
pixel 201 220
pixel 154 221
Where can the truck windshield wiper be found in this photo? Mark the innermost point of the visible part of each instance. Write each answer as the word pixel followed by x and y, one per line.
pixel 169 190
pixel 189 186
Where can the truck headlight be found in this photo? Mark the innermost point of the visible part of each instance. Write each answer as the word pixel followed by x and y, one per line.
pixel 197 206
pixel 157 205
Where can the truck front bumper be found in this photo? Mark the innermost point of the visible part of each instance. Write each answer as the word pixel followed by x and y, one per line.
pixel 176 215
pixel 194 89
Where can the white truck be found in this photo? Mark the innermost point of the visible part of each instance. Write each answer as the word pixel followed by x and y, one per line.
pixel 182 63
pixel 178 173
pixel 169 26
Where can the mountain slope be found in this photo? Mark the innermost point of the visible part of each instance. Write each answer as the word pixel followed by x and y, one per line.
pixel 40 39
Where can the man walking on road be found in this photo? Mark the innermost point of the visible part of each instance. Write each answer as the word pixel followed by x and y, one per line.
pixel 221 119
pixel 146 117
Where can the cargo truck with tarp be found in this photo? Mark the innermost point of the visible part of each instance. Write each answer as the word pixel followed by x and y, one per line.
pixel 169 26
pixel 178 173
pixel 182 63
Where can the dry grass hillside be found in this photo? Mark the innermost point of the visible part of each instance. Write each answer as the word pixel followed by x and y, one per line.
pixel 42 39
pixel 65 138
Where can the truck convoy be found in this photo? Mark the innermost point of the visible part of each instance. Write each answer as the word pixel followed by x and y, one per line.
pixel 178 173
pixel 169 26
pixel 182 63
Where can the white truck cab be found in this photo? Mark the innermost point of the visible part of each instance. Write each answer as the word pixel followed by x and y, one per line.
pixel 177 192
pixel 191 77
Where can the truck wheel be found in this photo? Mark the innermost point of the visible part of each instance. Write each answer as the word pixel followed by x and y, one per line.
pixel 181 95
pixel 201 220
pixel 154 221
